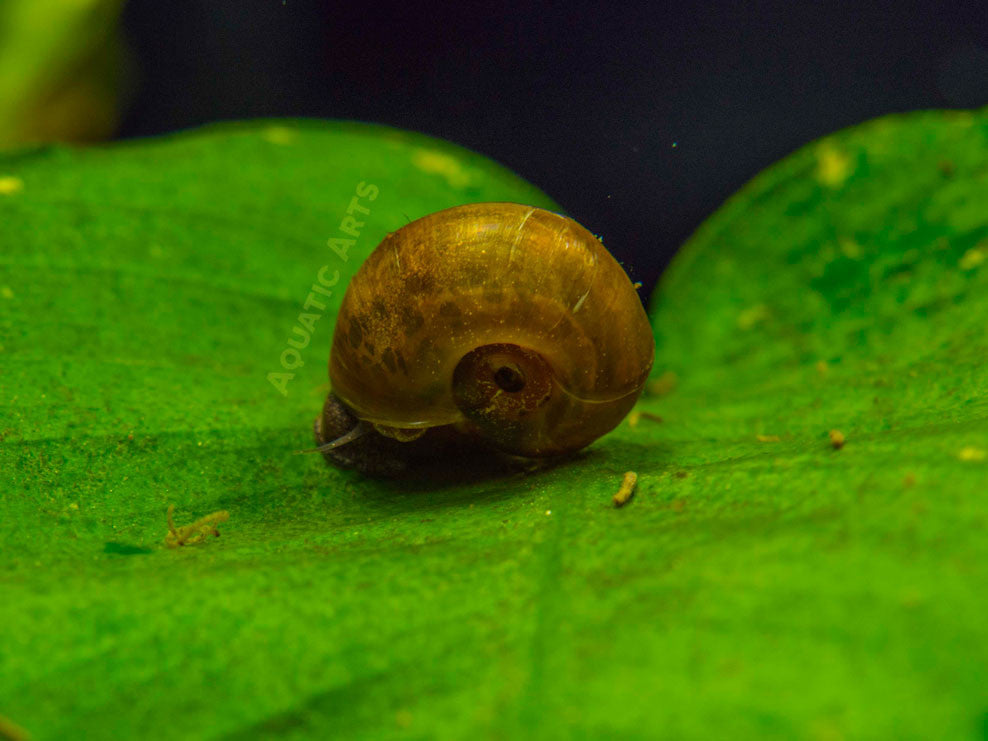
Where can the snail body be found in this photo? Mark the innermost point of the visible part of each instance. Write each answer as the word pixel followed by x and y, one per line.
pixel 510 324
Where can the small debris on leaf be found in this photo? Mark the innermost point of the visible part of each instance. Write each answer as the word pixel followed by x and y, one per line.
pixel 627 489
pixel 635 416
pixel 837 439
pixel 195 532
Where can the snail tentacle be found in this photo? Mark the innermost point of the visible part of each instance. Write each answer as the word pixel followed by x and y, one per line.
pixel 356 432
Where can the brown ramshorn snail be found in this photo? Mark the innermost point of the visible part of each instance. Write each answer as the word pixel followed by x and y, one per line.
pixel 492 323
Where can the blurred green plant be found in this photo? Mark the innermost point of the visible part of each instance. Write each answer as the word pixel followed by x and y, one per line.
pixel 61 69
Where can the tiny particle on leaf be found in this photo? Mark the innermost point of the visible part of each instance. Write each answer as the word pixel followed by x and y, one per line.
pixel 833 167
pixel 195 532
pixel 548 512
pixel 627 489
pixel 10 185
pixel 681 474
pixel 636 416
pixel 973 454
pixel 768 438
pixel 836 439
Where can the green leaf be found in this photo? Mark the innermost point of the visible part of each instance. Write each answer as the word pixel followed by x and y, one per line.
pixel 750 588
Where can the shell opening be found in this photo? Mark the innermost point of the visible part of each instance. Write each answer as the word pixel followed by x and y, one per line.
pixel 505 390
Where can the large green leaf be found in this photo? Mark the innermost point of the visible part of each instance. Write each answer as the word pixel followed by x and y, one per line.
pixel 752 587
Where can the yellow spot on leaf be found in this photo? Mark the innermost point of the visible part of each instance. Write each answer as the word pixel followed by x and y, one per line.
pixel 833 167
pixel 438 163
pixel 768 438
pixel 10 185
pixel 6 292
pixel 752 316
pixel 974 257
pixel 279 135
pixel 973 454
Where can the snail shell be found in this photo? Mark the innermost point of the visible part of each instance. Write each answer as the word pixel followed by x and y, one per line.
pixel 507 322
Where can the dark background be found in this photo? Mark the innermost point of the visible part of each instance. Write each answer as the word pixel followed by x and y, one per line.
pixel 639 119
